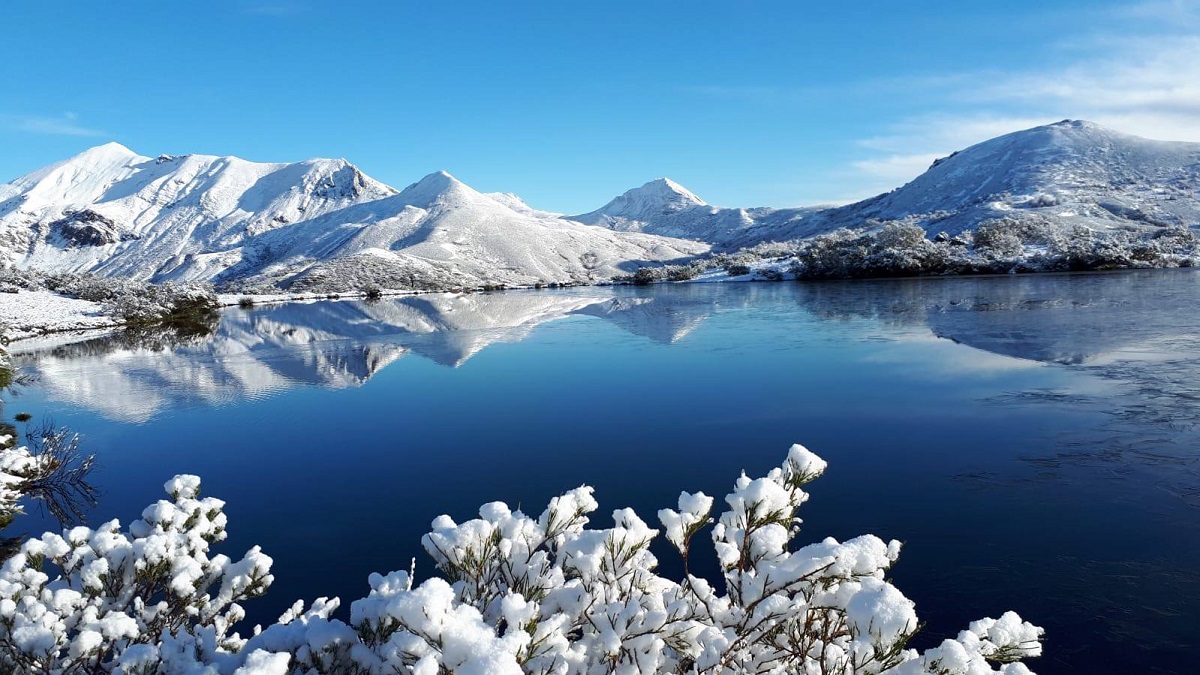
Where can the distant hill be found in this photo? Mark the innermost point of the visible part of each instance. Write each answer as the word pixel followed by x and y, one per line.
pixel 1068 173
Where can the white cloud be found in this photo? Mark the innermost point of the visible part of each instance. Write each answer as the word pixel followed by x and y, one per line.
pixel 66 124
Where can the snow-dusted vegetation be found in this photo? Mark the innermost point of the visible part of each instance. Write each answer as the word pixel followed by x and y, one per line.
pixel 50 469
pixel 518 594
pixel 996 247
pixel 114 301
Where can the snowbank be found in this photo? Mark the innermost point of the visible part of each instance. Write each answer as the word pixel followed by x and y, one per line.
pixel 28 313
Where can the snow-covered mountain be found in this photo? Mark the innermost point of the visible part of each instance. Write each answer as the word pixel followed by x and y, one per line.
pixel 321 223
pixel 1067 173
pixel 666 208
pixel 440 231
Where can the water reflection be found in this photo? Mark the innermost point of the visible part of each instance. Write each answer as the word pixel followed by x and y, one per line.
pixel 334 344
pixel 1110 324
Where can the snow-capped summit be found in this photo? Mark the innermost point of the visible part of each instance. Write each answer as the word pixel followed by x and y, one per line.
pixel 320 223
pixel 666 208
pixel 1058 175
pixel 439 185
pixel 660 193
pixel 643 205
pixel 1066 173
pixel 111 211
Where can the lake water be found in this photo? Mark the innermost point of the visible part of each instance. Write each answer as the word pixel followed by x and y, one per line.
pixel 1032 440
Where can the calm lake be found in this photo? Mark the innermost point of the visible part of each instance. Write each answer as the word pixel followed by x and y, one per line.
pixel 1033 440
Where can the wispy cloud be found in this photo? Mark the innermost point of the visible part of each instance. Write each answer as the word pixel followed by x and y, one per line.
pixel 66 124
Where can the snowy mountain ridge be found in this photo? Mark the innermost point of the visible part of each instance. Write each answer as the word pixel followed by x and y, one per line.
pixel 1068 173
pixel 1064 174
pixel 323 225
pixel 319 223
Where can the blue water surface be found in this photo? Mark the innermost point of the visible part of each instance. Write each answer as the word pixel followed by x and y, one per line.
pixel 1031 440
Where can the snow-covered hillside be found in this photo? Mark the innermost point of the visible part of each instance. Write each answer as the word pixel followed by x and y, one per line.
pixel 665 207
pixel 440 231
pixel 1064 174
pixel 196 217
pixel 322 225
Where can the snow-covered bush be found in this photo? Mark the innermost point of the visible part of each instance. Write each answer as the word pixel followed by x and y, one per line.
pixel 894 250
pixel 650 275
pixel 520 594
pixel 137 302
pixel 51 469
pixel 1000 238
pixel 999 245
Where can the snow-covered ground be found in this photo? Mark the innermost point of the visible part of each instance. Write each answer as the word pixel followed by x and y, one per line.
pixel 30 313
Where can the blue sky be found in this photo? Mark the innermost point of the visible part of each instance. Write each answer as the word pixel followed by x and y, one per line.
pixel 570 103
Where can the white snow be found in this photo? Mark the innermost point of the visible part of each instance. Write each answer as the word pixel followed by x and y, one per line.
pixel 199 217
pixel 323 225
pixel 1067 173
pixel 30 313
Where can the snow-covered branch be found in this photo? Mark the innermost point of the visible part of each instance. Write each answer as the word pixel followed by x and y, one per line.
pixel 519 595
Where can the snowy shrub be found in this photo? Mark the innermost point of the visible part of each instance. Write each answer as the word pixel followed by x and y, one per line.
pixel 136 302
pixel 1000 237
pixel 1000 245
pixel 168 303
pixel 520 595
pixel 737 270
pixel 116 597
pixel 655 274
pixel 894 250
pixel 647 275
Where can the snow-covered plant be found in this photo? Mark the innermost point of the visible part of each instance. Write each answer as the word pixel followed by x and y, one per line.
pixel 167 303
pixel 112 600
pixel 520 595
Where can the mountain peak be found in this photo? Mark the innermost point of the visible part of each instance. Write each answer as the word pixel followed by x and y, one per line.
pixel 665 189
pixel 433 187
pixel 661 196
pixel 1077 124
pixel 108 151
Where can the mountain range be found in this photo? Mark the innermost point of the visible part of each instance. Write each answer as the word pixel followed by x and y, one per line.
pixel 324 225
